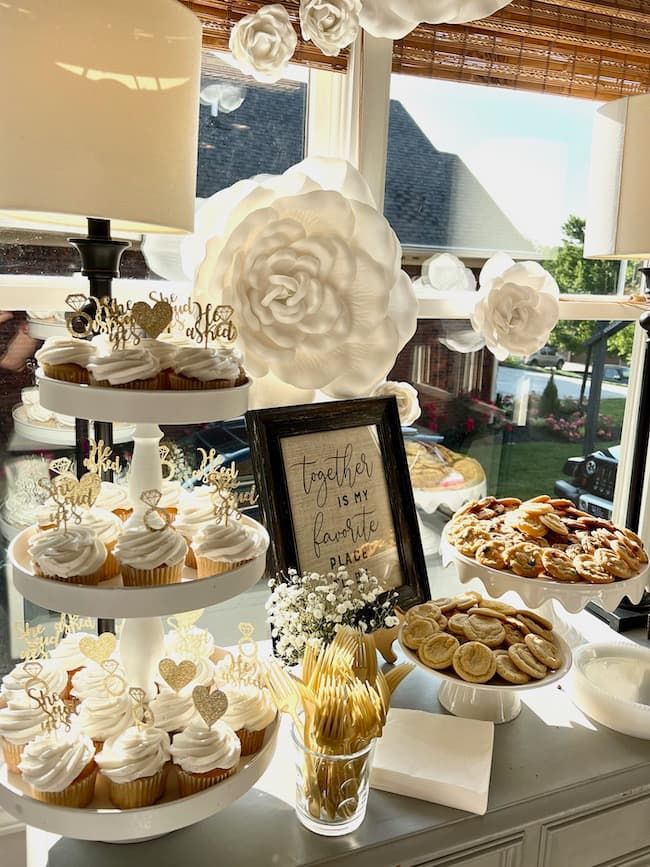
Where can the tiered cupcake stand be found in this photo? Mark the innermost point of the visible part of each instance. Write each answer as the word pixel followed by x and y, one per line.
pixel 142 637
pixel 502 703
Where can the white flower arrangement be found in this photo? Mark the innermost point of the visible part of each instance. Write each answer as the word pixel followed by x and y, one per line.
pixel 330 24
pixel 394 19
pixel 262 44
pixel 310 608
pixel 408 404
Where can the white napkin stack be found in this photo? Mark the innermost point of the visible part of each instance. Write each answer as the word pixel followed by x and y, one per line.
pixel 443 759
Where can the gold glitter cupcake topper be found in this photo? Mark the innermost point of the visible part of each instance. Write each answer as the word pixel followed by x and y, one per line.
pixel 35 641
pixel 100 458
pixel 210 705
pixel 245 668
pixel 210 461
pixel 152 498
pixel 98 649
pixel 142 715
pixel 224 483
pixel 153 320
pixel 70 494
pixel 211 324
pixel 57 713
pixel 167 463
pixel 34 681
pixel 111 319
pixel 113 683
pixel 177 674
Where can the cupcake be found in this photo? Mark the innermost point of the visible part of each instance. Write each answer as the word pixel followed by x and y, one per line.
pixel 114 498
pixel 51 676
pixel 204 756
pixel 73 554
pixel 250 712
pixel 132 368
pixel 90 682
pixel 60 769
pixel 196 367
pixel 204 673
pixel 170 495
pixel 106 526
pixel 163 352
pixel 151 557
pixel 135 765
pixel 195 510
pixel 20 722
pixel 222 547
pixel 172 711
pixel 68 657
pixel 66 358
pixel 103 717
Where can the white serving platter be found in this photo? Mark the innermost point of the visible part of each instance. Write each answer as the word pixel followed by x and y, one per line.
pixel 59 436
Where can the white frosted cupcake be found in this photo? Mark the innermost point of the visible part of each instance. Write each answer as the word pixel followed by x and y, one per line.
pixel 107 527
pixel 172 712
pixel 104 717
pixel 196 367
pixel 114 498
pixel 68 656
pixel 204 756
pixel 20 722
pixel 250 712
pixel 170 495
pixel 222 547
pixel 194 643
pixel 195 511
pixel 132 368
pixel 66 358
pixel 90 682
pixel 60 769
pixel 53 678
pixel 151 557
pixel 163 351
pixel 135 764
pixel 74 555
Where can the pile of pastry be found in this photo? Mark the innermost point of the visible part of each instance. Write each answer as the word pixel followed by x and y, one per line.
pixel 546 538
pixel 482 640
pixel 70 718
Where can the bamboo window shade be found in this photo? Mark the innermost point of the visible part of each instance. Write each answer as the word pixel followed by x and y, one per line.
pixel 595 50
pixel 218 16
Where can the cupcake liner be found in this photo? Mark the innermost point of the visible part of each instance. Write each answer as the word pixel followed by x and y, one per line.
pixel 172 511
pixel 73 579
pixel 190 784
pixel 190 557
pixel 67 373
pixel 111 567
pixel 66 694
pixel 132 577
pixel 179 382
pixel 138 793
pixel 13 754
pixel 123 514
pixel 154 383
pixel 99 745
pixel 78 794
pixel 251 742
pixel 207 567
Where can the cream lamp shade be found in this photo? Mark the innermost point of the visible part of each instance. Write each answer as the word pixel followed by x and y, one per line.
pixel 618 220
pixel 99 113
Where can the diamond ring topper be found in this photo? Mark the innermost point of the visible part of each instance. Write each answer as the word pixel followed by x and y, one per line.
pixel 113 683
pixel 142 715
pixel 210 705
pixel 153 516
pixel 34 681
pixel 177 675
pixel 100 458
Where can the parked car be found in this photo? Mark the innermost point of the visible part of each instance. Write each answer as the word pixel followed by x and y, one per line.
pixel 547 356
pixel 616 373
pixel 593 479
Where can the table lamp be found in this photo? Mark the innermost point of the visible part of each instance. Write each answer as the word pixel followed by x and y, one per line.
pixel 99 121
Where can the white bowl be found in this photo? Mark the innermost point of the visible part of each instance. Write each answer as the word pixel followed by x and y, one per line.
pixel 611 684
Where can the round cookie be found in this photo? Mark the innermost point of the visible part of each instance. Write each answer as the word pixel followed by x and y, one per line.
pixel 508 670
pixel 534 626
pixel 524 659
pixel 559 565
pixel 487 630
pixel 427 610
pixel 591 571
pixel 474 662
pixel 445 604
pixel 545 651
pixel 415 632
pixel 531 525
pixel 525 559
pixel 438 651
pixel 554 523
pixel 623 550
pixel 456 623
pixel 496 605
pixel 492 554
pixel 468 539
pixel 610 561
pixel 467 600
pixel 515 631
pixel 486 611
pixel 536 618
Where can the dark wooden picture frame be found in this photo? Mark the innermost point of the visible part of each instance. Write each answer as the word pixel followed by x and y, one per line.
pixel 267 428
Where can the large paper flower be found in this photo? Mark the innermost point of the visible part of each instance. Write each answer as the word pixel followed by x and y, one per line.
pixel 314 277
pixel 444 273
pixel 408 404
pixel 393 19
pixel 330 24
pixel 517 308
pixel 262 44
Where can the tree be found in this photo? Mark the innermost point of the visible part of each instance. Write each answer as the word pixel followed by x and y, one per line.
pixel 621 343
pixel 549 402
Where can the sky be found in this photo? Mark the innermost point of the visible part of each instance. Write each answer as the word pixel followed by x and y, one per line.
pixel 530 151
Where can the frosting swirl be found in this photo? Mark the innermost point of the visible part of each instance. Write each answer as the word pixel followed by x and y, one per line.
pixel 112 496
pixel 105 716
pixel 194 514
pixel 67 654
pixel 53 761
pixel 14 683
pixel 66 350
pixel 249 707
pixel 67 552
pixel 172 711
pixel 170 495
pixel 104 524
pixel 199 749
pixel 20 723
pixel 163 352
pixel 90 682
pixel 124 366
pixel 229 542
pixel 137 752
pixel 33 409
pixel 142 548
pixel 197 362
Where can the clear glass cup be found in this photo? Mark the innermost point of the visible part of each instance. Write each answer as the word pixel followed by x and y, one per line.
pixel 331 790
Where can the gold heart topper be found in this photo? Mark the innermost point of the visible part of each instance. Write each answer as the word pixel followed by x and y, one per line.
pixel 212 323
pixel 98 649
pixel 100 458
pixel 152 320
pixel 177 675
pixel 210 705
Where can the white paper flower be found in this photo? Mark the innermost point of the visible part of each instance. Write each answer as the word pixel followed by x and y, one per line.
pixel 393 19
pixel 314 277
pixel 330 24
pixel 517 308
pixel 444 273
pixel 262 44
pixel 408 404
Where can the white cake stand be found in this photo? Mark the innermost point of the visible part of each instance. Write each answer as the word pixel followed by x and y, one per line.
pixel 101 821
pixel 494 703
pixel 45 434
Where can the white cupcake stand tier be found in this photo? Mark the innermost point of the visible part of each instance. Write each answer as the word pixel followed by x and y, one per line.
pixel 142 637
pixel 497 703
pixel 102 822
pixel 49 435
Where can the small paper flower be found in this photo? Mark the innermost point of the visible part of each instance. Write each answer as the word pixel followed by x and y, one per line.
pixel 517 308
pixel 408 404
pixel 394 19
pixel 263 44
pixel 330 24
pixel 446 273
